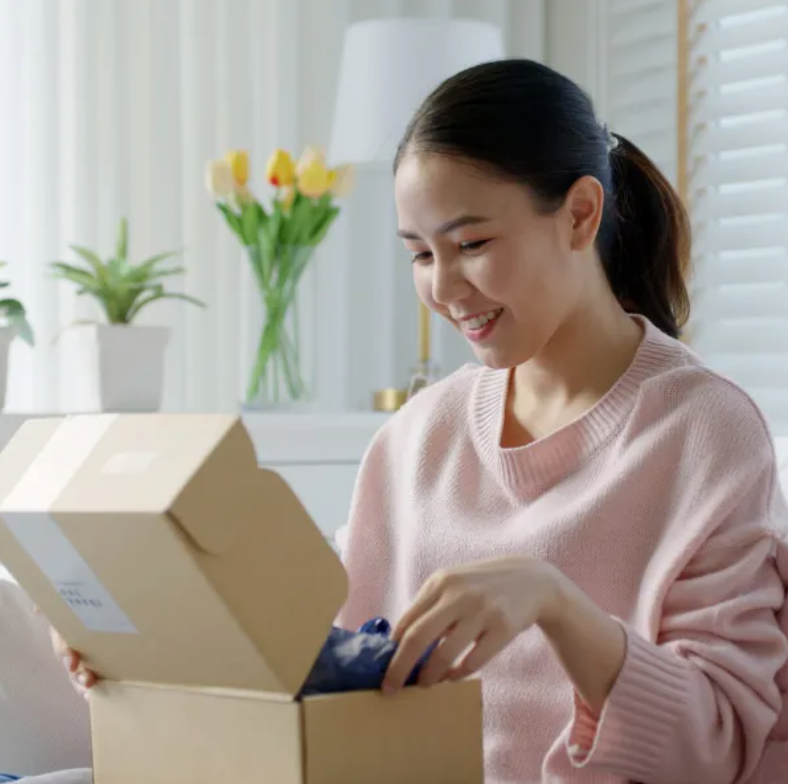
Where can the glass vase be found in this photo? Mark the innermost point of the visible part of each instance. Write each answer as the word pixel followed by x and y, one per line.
pixel 275 379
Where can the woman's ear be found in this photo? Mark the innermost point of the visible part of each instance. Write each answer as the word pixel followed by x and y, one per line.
pixel 584 203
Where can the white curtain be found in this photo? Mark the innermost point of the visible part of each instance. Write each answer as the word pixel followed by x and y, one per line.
pixel 111 108
pixel 639 90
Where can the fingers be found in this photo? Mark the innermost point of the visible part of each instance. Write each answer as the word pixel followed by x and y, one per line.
pixel 453 645
pixel 81 676
pixel 84 677
pixel 414 643
pixel 487 647
pixel 425 600
pixel 71 661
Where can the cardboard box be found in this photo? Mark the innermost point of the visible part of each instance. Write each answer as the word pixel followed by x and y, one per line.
pixel 197 586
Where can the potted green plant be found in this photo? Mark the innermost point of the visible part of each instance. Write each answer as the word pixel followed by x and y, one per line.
pixel 129 357
pixel 13 323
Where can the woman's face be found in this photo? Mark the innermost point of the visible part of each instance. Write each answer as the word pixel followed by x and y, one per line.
pixel 506 275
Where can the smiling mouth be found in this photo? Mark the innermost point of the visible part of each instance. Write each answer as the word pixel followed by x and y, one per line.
pixel 480 326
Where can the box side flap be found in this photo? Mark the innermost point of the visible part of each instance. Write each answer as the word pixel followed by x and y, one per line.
pixel 283 580
pixel 213 507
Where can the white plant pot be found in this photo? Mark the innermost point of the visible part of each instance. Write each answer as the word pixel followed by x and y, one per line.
pixel 7 334
pixel 130 366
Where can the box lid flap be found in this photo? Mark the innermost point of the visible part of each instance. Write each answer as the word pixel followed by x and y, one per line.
pixel 257 570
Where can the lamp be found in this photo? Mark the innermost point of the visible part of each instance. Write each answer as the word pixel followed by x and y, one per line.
pixel 388 67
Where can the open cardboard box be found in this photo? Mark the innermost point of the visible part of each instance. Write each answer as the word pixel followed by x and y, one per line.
pixel 200 590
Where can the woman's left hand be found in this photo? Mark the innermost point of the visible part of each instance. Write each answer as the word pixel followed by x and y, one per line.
pixel 474 612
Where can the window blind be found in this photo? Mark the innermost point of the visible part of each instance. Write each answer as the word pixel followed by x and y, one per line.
pixel 640 85
pixel 737 194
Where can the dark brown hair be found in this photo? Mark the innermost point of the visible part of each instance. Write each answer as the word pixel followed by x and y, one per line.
pixel 528 123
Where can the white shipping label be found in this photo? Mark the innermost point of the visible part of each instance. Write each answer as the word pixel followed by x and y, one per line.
pixel 67 570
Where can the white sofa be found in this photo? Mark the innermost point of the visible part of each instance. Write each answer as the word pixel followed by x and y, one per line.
pixel 44 723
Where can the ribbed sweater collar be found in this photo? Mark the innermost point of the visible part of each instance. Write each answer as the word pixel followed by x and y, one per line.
pixel 531 469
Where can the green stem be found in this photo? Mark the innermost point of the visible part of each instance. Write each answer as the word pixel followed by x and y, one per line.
pixel 296 338
pixel 276 376
pixel 278 357
pixel 298 387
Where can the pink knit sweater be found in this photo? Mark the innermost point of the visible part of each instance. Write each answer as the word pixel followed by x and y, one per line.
pixel 662 503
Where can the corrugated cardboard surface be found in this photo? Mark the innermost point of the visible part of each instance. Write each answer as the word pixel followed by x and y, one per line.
pixel 175 736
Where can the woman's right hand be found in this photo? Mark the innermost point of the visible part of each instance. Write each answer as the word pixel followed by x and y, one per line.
pixel 82 678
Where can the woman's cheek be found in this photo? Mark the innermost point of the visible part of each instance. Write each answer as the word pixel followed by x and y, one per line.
pixel 423 283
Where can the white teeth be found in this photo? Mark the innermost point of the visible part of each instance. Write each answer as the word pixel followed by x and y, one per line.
pixel 477 322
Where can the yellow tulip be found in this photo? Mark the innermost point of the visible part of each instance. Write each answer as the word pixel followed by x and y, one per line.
pixel 312 173
pixel 239 164
pixel 341 180
pixel 219 178
pixel 280 170
pixel 310 155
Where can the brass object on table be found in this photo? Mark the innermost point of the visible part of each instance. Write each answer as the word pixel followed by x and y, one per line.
pixel 424 374
pixel 389 399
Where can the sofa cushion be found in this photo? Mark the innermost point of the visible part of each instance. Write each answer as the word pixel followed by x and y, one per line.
pixel 44 722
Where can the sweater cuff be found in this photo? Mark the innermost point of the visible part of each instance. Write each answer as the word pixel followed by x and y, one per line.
pixel 638 722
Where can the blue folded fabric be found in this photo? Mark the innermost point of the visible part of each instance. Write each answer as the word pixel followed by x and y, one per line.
pixel 6 777
pixel 356 661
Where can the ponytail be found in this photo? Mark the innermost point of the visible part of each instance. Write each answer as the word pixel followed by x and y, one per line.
pixel 647 258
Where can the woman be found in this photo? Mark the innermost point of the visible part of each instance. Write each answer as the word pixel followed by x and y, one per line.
pixel 590 520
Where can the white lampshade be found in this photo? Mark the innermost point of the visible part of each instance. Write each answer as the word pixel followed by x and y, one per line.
pixel 388 67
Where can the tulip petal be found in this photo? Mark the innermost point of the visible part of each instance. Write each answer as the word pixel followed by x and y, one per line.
pixel 239 165
pixel 311 156
pixel 342 180
pixel 280 170
pixel 313 180
pixel 219 178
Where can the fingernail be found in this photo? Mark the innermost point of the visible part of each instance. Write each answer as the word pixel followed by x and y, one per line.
pixel 82 679
pixel 389 690
pixel 67 663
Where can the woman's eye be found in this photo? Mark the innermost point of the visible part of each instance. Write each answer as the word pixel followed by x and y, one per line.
pixel 469 247
pixel 422 255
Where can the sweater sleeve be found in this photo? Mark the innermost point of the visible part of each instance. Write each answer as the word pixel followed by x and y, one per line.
pixel 699 702
pixel 367 554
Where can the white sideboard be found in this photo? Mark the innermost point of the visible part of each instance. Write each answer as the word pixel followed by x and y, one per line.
pixel 318 455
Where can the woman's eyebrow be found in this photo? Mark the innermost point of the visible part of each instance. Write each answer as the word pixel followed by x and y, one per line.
pixel 445 228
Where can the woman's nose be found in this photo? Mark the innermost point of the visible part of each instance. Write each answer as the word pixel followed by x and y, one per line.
pixel 448 283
